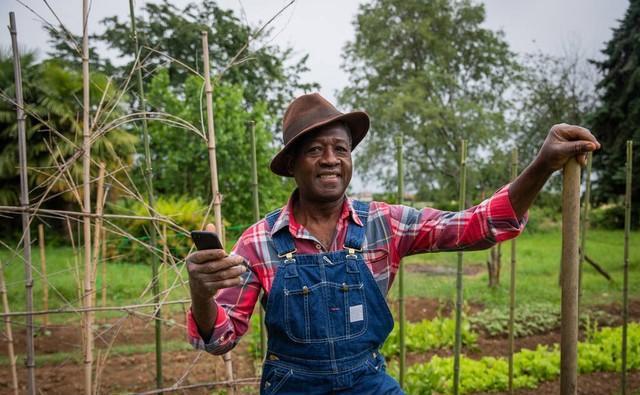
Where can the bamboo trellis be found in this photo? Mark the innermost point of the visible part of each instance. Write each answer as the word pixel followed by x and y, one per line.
pixel 625 286
pixel 459 300
pixel 512 281
pixel 401 290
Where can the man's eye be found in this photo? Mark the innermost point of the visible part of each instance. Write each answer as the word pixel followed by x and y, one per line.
pixel 341 149
pixel 314 149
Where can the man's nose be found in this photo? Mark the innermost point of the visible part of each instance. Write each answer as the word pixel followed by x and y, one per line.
pixel 329 157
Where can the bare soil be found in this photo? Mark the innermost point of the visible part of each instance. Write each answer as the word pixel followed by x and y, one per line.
pixel 136 373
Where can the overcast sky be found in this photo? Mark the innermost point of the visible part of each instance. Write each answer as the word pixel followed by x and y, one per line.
pixel 321 28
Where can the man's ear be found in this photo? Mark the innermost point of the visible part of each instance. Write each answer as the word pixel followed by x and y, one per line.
pixel 290 162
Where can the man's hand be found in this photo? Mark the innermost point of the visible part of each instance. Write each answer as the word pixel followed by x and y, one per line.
pixel 562 143
pixel 210 271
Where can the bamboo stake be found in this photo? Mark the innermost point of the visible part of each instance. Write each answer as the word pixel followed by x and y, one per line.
pixel 24 202
pixel 401 307
pixel 149 180
pixel 211 144
pixel 97 236
pixel 570 262
pixel 458 340
pixel 165 263
pixel 9 333
pixel 86 206
pixel 43 272
pixel 625 287
pixel 256 217
pixel 104 266
pixel 586 207
pixel 128 308
pixel 512 282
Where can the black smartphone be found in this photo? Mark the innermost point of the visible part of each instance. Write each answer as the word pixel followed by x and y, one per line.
pixel 206 240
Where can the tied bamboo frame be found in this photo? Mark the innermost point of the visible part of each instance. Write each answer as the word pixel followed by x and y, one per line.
pixel 215 192
pixel 458 330
pixel 148 176
pixel 401 290
pixel 24 203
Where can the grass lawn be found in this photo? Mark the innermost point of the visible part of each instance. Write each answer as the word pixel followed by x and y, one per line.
pixel 537 268
pixel 538 263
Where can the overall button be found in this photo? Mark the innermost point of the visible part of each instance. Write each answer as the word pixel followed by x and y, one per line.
pixel 344 287
pixel 318 247
pixel 305 290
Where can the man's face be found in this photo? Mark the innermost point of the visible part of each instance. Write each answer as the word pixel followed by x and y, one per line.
pixel 322 163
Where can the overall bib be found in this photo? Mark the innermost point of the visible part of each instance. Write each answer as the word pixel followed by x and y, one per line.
pixel 326 319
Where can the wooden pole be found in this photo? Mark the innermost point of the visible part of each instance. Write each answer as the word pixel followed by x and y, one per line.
pixel 9 333
pixel 97 234
pixel 401 290
pixel 43 270
pixel 512 281
pixel 86 205
pixel 586 207
pixel 625 287
pixel 165 263
pixel 256 217
pixel 570 269
pixel 24 203
pixel 213 166
pixel 104 266
pixel 148 176
pixel 458 340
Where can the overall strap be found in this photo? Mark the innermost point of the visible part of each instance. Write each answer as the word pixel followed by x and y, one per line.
pixel 282 239
pixel 355 232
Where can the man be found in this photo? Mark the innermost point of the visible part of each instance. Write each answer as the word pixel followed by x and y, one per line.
pixel 325 262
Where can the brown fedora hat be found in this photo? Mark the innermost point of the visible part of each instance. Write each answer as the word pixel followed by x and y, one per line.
pixel 309 112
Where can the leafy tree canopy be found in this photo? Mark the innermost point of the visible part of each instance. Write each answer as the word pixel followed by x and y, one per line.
pixel 618 117
pixel 428 70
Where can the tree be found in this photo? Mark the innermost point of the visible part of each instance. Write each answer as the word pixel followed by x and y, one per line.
pixel 53 105
pixel 180 157
pixel 617 119
pixel 428 70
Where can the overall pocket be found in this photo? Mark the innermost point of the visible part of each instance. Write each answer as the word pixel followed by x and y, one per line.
pixel 273 378
pixel 325 311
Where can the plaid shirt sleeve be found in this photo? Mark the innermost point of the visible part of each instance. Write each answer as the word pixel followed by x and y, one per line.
pixel 429 230
pixel 235 305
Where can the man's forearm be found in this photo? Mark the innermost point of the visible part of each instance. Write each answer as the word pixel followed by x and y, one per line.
pixel 205 313
pixel 525 188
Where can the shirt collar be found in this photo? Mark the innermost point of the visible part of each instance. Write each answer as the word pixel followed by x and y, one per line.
pixel 286 219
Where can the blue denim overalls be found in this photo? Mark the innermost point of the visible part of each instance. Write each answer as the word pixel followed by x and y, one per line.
pixel 326 318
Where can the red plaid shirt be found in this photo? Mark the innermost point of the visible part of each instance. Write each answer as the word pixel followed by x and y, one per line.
pixel 393 231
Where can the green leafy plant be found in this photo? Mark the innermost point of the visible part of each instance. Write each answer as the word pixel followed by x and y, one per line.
pixel 428 335
pixel 600 353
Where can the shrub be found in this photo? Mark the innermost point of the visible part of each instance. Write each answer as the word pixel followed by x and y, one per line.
pixel 608 216
pixel 183 214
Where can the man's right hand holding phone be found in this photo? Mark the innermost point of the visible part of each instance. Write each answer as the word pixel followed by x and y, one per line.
pixel 209 271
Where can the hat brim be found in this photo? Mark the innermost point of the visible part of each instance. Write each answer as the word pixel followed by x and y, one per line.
pixel 358 122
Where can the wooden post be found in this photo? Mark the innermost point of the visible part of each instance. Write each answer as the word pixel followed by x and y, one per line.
pixel 213 166
pixel 586 207
pixel 43 270
pixel 164 272
pixel 97 234
pixel 87 297
pixel 512 281
pixel 104 266
pixel 401 308
pixel 24 203
pixel 458 340
pixel 570 269
pixel 148 176
pixel 256 217
pixel 625 286
pixel 9 333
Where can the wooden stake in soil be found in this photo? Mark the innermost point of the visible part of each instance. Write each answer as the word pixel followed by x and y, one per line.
pixel 148 176
pixel 256 217
pixel 401 308
pixel 570 269
pixel 211 143
pixel 104 266
pixel 24 203
pixel 512 280
pixel 586 207
pixel 458 339
pixel 43 270
pixel 9 333
pixel 625 287
pixel 97 234
pixel 87 297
